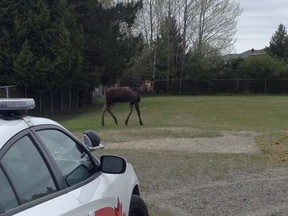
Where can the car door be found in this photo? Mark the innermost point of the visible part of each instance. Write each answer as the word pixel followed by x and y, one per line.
pixel 28 184
pixel 80 172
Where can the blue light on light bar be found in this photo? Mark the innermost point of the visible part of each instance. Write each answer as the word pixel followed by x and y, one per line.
pixel 16 104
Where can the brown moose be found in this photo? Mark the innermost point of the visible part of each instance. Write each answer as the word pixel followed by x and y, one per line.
pixel 116 95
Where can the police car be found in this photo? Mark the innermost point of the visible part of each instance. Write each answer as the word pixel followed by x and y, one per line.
pixel 45 170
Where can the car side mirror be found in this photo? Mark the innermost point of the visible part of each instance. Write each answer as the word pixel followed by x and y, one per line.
pixel 113 164
pixel 91 140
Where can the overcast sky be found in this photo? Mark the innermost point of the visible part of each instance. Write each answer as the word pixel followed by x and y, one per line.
pixel 258 22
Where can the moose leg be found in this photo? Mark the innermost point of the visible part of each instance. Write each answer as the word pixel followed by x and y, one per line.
pixel 113 116
pixel 131 109
pixel 138 112
pixel 108 108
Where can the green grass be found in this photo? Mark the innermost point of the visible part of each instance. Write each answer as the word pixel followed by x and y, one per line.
pixel 190 116
pixel 202 112
pixel 220 112
pixel 201 115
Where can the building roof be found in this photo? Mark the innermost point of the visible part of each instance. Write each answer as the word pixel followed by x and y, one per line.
pixel 246 54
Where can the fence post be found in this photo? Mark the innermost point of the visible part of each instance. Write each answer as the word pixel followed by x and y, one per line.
pixel 61 98
pixel 7 92
pixel 180 86
pixel 237 85
pixel 77 99
pixel 40 102
pixel 51 101
pixel 70 99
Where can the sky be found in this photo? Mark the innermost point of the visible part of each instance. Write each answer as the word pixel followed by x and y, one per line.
pixel 258 23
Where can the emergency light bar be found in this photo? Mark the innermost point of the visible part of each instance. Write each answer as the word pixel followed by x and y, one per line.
pixel 16 104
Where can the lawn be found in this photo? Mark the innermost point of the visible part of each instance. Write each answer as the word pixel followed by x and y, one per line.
pixel 200 113
pixel 190 116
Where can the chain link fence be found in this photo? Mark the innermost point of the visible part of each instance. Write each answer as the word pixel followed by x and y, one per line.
pixel 49 101
pixel 68 99
pixel 218 86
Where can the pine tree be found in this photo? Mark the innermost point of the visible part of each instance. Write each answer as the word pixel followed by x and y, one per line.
pixel 42 42
pixel 279 43
pixel 169 49
pixel 108 44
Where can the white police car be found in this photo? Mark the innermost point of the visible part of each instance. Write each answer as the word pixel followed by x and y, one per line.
pixel 45 170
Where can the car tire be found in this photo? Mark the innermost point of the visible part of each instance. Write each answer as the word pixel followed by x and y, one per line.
pixel 138 207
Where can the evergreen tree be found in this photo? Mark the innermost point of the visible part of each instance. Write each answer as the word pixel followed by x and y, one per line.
pixel 43 44
pixel 67 46
pixel 169 48
pixel 32 71
pixel 109 46
pixel 11 38
pixel 279 43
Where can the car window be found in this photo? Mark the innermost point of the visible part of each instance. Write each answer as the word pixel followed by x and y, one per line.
pixel 71 158
pixel 9 200
pixel 27 171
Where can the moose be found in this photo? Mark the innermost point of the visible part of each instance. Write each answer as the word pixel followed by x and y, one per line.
pixel 125 94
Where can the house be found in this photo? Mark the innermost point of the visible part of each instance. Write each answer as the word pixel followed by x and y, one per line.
pixel 244 55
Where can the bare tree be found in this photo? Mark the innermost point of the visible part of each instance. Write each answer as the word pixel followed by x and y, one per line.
pixel 185 19
pixel 216 22
pixel 147 24
pixel 202 22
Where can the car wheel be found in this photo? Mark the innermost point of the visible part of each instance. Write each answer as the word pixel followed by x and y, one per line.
pixel 138 207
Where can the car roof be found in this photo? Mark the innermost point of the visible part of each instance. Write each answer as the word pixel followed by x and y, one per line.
pixel 14 119
pixel 10 127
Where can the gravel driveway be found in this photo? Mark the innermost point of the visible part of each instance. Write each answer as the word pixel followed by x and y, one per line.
pixel 262 194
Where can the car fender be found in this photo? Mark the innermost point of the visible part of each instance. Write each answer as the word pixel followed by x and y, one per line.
pixel 108 192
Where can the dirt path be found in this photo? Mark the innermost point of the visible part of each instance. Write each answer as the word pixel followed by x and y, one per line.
pixel 242 142
pixel 261 194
